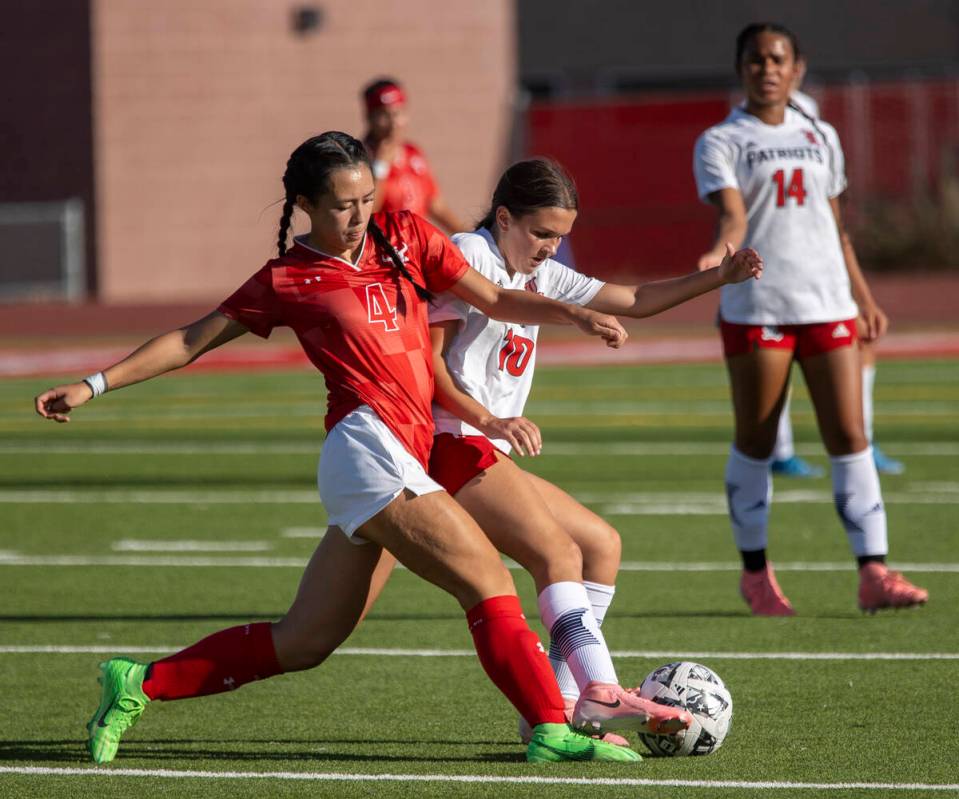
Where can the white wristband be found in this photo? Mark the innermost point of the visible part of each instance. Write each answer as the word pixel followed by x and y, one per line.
pixel 97 384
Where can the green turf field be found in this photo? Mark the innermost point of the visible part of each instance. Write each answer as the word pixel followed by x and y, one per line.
pixel 95 558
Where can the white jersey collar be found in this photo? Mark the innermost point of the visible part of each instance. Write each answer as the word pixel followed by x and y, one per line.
pixel 301 240
pixel 498 258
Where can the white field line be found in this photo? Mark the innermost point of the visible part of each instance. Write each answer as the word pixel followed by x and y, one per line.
pixel 475 779
pixel 141 545
pixel 651 449
pixel 171 413
pixel 611 501
pixel 8 558
pixel 633 654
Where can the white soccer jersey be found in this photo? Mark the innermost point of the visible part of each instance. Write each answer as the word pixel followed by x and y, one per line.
pixel 493 361
pixel 786 173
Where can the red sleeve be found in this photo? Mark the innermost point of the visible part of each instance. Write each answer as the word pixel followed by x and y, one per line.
pixel 442 262
pixel 252 305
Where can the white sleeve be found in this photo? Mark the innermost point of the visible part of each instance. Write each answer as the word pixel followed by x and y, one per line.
pixel 447 306
pixel 837 176
pixel 571 286
pixel 713 165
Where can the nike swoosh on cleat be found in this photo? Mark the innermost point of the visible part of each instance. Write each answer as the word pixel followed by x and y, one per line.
pixel 617 703
pixel 104 715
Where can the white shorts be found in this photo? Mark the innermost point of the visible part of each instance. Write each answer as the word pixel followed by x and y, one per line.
pixel 363 467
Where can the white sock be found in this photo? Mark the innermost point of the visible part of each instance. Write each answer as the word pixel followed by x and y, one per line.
pixel 868 381
pixel 855 486
pixel 600 597
pixel 749 491
pixel 784 449
pixel 565 609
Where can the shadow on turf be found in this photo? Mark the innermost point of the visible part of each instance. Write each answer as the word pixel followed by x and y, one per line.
pixel 165 749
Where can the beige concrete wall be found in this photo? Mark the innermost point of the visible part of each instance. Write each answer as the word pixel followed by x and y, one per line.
pixel 198 103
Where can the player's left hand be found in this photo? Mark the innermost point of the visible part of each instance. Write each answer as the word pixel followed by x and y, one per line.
pixel 603 325
pixel 739 266
pixel 872 322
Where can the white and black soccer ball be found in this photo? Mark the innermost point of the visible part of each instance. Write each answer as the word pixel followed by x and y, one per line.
pixel 700 691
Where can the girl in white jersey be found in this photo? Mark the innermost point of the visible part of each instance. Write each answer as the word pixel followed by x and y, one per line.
pixel 775 176
pixel 785 459
pixel 484 371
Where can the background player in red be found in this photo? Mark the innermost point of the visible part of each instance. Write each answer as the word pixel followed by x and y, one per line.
pixel 775 177
pixel 484 373
pixel 354 291
pixel 404 180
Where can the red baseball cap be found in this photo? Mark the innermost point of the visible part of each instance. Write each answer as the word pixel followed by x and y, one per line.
pixel 383 93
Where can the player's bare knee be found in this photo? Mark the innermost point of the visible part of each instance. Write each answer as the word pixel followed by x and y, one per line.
pixel 603 546
pixel 559 560
pixel 845 442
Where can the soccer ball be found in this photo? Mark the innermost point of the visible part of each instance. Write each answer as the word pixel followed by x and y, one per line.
pixel 700 691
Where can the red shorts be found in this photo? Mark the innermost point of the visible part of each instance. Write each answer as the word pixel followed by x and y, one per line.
pixel 455 460
pixel 803 340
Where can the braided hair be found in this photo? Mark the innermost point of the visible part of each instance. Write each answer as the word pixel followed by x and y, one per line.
pixel 307 174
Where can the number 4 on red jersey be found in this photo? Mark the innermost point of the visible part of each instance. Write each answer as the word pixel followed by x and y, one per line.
pixel 379 308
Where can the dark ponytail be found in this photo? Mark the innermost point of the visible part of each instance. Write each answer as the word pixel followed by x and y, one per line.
pixel 380 238
pixel 284 227
pixel 308 175
pixel 529 185
pixel 815 123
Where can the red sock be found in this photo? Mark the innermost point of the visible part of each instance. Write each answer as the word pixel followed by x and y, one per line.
pixel 220 662
pixel 515 660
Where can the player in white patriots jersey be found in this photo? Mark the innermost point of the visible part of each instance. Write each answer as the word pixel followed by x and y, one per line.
pixel 775 177
pixel 484 370
pixel 785 459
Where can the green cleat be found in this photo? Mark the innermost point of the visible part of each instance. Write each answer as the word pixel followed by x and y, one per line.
pixel 555 743
pixel 121 703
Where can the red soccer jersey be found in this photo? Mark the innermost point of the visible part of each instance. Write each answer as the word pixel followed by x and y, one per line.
pixel 409 185
pixel 361 325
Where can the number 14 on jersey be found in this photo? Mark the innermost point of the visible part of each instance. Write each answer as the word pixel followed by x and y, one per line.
pixel 793 187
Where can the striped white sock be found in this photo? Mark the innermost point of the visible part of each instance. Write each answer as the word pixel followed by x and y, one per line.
pixel 600 597
pixel 855 486
pixel 749 492
pixel 575 636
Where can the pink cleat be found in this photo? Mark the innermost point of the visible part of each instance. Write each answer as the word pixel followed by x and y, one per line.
pixel 526 732
pixel 763 594
pixel 603 707
pixel 880 588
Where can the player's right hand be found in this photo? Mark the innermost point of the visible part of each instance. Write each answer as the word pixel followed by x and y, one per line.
pixel 522 434
pixel 603 325
pixel 56 403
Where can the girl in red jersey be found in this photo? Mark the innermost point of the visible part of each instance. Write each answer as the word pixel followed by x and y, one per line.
pixel 404 180
pixel 775 176
pixel 354 291
pixel 484 373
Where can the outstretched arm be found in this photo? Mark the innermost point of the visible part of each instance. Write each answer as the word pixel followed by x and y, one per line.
pixel 529 308
pixel 161 354
pixel 520 432
pixel 648 299
pixel 873 321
